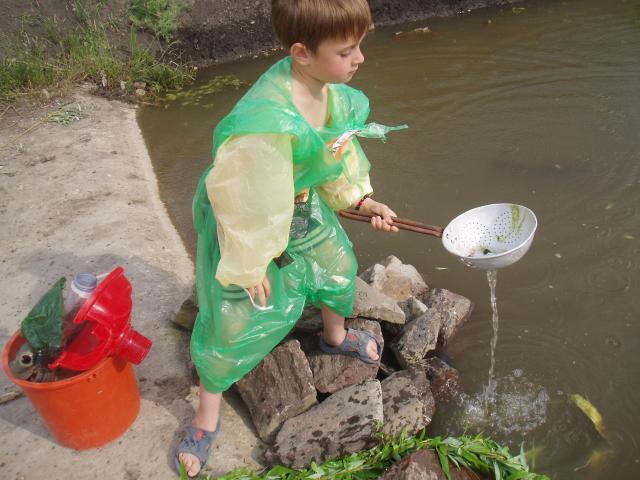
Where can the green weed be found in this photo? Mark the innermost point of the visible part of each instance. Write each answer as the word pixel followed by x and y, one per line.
pixel 477 453
pixel 158 16
pixel 27 71
pixel 88 55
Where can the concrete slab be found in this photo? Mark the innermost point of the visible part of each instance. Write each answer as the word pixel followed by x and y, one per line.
pixel 83 197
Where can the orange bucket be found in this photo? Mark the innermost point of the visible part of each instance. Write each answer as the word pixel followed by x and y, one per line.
pixel 87 410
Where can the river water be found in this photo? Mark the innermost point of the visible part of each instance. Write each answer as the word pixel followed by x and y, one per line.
pixel 539 108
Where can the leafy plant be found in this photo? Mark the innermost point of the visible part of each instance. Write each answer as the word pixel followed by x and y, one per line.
pixel 477 453
pixel 42 327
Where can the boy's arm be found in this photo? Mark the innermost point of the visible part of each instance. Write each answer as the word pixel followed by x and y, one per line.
pixel 351 186
pixel 251 191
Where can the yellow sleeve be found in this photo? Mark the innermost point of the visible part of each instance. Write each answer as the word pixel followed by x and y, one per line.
pixel 251 191
pixel 351 185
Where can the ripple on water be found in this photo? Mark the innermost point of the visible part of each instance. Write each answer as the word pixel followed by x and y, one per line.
pixel 518 406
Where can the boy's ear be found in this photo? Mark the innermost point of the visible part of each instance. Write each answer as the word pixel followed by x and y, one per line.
pixel 300 53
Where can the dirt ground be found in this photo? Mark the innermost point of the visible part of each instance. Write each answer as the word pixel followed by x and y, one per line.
pixel 83 197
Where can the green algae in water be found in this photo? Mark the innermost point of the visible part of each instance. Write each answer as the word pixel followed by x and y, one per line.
pixel 195 96
pixel 517 220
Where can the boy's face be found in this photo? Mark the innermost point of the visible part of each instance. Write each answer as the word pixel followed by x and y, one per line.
pixel 336 61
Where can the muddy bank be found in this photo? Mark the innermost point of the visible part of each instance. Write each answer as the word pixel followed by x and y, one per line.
pixel 226 30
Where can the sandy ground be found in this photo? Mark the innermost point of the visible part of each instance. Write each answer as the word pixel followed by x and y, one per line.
pixel 83 197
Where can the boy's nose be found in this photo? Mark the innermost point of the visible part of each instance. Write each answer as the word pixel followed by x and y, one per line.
pixel 359 58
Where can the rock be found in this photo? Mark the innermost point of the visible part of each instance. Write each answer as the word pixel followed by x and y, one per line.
pixel 417 339
pixel 279 388
pixel 140 92
pixel 310 321
pixel 386 370
pixel 186 316
pixel 140 85
pixel 407 402
pixel 343 424
pixel 453 308
pixel 334 372
pixel 425 465
pixel 445 380
pixel 370 303
pixel 395 279
pixel 391 330
pixel 412 308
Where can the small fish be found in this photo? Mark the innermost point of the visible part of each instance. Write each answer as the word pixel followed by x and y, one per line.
pixel 415 31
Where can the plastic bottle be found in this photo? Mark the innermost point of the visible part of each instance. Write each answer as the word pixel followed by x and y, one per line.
pixel 82 287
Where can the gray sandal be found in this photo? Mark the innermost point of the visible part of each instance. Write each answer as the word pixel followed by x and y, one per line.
pixel 354 345
pixel 196 442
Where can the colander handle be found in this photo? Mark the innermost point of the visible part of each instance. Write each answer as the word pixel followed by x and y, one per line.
pixel 401 223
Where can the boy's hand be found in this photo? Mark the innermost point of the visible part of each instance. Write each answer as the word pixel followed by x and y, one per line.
pixel 302 197
pixel 382 220
pixel 262 291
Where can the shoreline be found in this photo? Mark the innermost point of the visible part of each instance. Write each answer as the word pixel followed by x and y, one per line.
pixel 224 31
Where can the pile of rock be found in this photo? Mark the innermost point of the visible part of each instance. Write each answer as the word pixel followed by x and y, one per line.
pixel 396 306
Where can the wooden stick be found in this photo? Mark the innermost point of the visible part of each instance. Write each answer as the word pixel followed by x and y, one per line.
pixel 397 220
pixel 361 217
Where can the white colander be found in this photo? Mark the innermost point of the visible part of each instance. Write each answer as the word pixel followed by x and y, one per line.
pixel 492 236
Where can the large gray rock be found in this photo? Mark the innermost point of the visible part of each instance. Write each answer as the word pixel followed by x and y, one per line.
pixel 396 279
pixel 453 308
pixel 425 465
pixel 278 388
pixel 334 372
pixel 417 339
pixel 344 423
pixel 407 402
pixel 370 303
pixel 445 380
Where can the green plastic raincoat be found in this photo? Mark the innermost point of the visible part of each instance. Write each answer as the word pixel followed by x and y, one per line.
pixel 265 153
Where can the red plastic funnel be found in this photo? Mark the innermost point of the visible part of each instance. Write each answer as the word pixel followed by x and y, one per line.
pixel 106 329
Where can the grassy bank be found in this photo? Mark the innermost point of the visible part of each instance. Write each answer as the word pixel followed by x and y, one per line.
pixel 99 46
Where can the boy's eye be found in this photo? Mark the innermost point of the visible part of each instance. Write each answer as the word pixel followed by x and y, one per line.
pixel 344 54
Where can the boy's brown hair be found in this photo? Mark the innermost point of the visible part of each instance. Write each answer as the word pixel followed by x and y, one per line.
pixel 312 21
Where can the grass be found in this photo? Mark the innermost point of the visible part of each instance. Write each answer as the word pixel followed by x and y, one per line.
pixel 160 17
pixel 87 54
pixel 477 453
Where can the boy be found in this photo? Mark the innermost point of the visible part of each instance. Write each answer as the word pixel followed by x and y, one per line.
pixel 285 160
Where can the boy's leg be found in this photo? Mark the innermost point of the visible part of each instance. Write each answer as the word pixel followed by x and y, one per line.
pixel 334 331
pixel 206 418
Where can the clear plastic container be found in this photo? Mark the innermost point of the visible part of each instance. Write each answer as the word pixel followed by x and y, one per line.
pixel 81 288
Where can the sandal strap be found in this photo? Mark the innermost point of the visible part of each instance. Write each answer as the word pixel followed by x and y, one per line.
pixel 354 344
pixel 197 442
